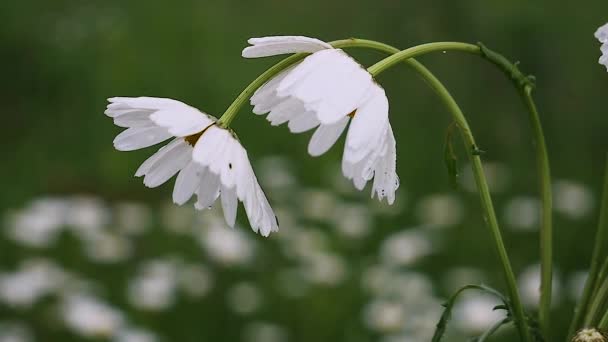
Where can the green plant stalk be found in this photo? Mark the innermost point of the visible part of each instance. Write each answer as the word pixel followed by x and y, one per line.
pixel 593 280
pixel 546 231
pixel 598 303
pixel 524 85
pixel 232 111
pixel 473 152
pixel 601 276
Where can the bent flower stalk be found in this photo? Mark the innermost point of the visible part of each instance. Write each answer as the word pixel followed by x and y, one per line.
pixel 326 91
pixel 210 160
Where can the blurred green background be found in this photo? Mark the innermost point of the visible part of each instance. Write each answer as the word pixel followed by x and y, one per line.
pixel 62 59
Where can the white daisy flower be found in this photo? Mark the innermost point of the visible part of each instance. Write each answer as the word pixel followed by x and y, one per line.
pixel 602 35
pixel 209 158
pixel 326 91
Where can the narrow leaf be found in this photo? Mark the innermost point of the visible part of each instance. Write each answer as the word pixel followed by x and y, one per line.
pixel 447 313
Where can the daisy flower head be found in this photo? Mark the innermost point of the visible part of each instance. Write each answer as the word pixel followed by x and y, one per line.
pixel 326 91
pixel 602 35
pixel 208 159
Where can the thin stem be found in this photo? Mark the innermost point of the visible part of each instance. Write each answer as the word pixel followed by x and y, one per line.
pixel 524 84
pixel 421 50
pixel 244 96
pixel 480 179
pixel 593 280
pixel 598 303
pixel 603 324
pixel 546 231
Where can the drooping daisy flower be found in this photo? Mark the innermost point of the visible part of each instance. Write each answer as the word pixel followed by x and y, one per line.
pixel 326 91
pixel 210 160
pixel 602 35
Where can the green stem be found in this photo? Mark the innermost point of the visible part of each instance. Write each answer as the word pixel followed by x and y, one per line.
pixel 603 324
pixel 599 302
pixel 244 96
pixel 546 231
pixel 473 152
pixel 593 280
pixel 524 84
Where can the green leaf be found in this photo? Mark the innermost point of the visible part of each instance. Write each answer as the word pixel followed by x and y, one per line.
pixel 492 330
pixel 449 157
pixel 447 313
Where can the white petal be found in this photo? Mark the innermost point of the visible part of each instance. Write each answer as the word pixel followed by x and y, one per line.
pixel 368 126
pixel 330 83
pixel 325 137
pixel 182 120
pixel 210 148
pixel 134 118
pixel 265 98
pixel 168 164
pixel 135 138
pixel 149 163
pixel 208 190
pixel 286 110
pixel 176 117
pixel 279 45
pixel 229 204
pixel 602 33
pixel 187 183
pixel 386 180
pixel 604 58
pixel 303 122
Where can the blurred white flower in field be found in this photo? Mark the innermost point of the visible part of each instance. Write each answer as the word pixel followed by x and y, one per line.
pixel 324 268
pixel 572 199
pixel 90 317
pixel 210 160
pixel 135 335
pixel 404 248
pixel 576 284
pixel 244 298
pixel 264 331
pixel 318 204
pixel 195 280
pixel 38 224
pixel 602 35
pixel 275 173
pixel 132 218
pixel 178 220
pixel 385 316
pixel 15 332
pixel 522 213
pixel 352 220
pixel 327 90
pixel 440 210
pixel 473 313
pixel 34 280
pixel 229 247
pixel 154 287
pixel 105 247
pixel 305 242
pixel 87 215
pixel 529 285
pixel 497 175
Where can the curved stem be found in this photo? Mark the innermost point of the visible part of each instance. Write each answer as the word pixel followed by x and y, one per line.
pixel 473 152
pixel 486 200
pixel 244 96
pixel 546 231
pixel 593 289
